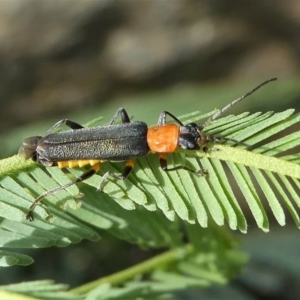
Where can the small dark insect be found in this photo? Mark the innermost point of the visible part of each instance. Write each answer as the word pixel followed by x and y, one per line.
pixel 117 142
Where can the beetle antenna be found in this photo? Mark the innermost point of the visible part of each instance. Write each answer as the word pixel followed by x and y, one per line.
pixel 221 111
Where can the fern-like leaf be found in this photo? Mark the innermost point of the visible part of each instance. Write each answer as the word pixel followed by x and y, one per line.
pixel 257 170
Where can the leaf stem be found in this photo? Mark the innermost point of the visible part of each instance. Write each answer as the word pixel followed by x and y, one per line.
pixel 153 263
pixel 13 164
pixel 254 160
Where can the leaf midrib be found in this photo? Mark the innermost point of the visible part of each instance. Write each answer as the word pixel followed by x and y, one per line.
pixel 255 160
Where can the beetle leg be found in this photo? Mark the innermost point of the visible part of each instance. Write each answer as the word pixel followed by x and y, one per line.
pixel 164 165
pixel 123 114
pixel 67 122
pixel 126 171
pixel 162 120
pixel 89 173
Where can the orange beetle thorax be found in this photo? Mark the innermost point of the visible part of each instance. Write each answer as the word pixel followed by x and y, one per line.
pixel 163 138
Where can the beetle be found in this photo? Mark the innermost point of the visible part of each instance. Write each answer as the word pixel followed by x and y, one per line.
pixel 127 141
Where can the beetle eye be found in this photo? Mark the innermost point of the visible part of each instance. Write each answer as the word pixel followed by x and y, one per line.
pixel 194 125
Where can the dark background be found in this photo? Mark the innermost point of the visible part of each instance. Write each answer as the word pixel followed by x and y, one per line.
pixel 83 59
